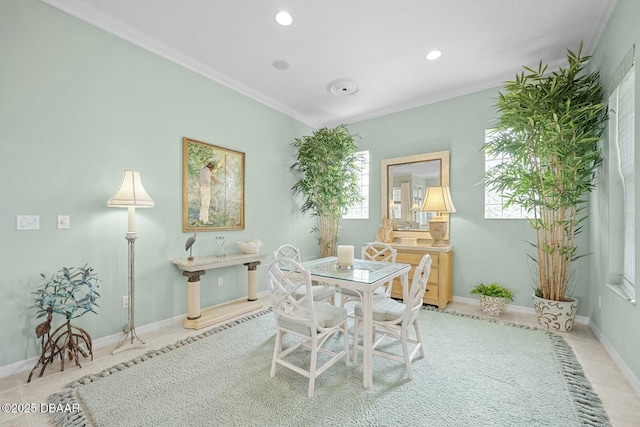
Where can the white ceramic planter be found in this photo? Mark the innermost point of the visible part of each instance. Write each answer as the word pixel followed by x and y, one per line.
pixel 556 315
pixel 492 306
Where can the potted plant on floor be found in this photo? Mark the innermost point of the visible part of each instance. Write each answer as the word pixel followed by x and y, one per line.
pixel 546 145
pixel 327 172
pixel 493 297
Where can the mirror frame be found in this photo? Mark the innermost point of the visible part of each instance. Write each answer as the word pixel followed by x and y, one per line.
pixel 413 236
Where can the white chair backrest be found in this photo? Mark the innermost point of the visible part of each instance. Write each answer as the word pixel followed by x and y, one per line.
pixel 288 251
pixel 418 287
pixel 286 276
pixel 379 251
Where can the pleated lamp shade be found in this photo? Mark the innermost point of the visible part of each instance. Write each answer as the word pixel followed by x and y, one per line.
pixel 438 199
pixel 130 193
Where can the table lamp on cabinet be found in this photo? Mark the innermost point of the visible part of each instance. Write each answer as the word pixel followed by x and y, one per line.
pixel 438 200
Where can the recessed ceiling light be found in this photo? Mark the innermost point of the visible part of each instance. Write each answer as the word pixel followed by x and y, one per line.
pixel 284 18
pixel 434 54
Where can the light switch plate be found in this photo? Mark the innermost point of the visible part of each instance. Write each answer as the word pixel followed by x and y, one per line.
pixel 28 222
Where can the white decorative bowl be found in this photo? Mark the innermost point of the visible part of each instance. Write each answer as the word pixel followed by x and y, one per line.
pixel 251 247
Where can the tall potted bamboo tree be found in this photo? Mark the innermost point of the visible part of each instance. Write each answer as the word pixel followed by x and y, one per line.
pixel 547 140
pixel 327 171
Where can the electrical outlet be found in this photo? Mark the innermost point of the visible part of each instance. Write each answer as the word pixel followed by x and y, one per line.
pixel 125 301
pixel 63 222
pixel 220 281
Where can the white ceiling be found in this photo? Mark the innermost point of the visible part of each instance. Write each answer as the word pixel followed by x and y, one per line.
pixel 378 44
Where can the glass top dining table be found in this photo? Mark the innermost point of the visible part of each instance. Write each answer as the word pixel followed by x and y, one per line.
pixel 365 277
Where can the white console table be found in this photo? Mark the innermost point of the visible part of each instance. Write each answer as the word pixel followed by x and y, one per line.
pixel 199 318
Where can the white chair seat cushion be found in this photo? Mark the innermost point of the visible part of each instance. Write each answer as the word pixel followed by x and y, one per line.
pixel 379 291
pixel 384 309
pixel 327 316
pixel 319 292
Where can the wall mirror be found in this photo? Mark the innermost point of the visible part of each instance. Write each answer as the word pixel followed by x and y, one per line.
pixel 404 181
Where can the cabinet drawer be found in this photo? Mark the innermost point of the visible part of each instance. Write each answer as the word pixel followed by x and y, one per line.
pixel 432 280
pixel 439 282
pixel 414 258
pixel 433 293
pixel 433 276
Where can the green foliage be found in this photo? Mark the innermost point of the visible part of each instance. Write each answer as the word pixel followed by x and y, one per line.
pixel 547 138
pixel 71 292
pixel 327 172
pixel 492 290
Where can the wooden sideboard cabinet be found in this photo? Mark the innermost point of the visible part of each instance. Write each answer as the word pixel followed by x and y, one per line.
pixel 439 287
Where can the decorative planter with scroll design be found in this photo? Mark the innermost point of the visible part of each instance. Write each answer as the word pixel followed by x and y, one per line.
pixel 492 306
pixel 556 315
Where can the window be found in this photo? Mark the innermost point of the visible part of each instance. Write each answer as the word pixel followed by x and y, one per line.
pixel 361 211
pixel 395 206
pixel 622 179
pixel 418 199
pixel 494 202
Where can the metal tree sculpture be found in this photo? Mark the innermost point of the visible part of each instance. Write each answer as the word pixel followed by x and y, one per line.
pixel 48 353
pixel 71 292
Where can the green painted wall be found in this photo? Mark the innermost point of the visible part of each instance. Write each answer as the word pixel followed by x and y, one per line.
pixel 617 320
pixel 484 250
pixel 77 106
pixel 493 250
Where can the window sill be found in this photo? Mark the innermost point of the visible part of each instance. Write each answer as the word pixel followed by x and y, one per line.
pixel 619 290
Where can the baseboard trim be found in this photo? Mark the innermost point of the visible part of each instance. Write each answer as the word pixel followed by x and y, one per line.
pixel 512 308
pixel 611 351
pixel 28 364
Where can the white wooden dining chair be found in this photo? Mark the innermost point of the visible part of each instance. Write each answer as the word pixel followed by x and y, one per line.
pixel 308 323
pixel 393 319
pixel 377 251
pixel 320 292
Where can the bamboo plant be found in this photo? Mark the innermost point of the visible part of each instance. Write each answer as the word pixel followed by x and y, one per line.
pixel 327 171
pixel 546 144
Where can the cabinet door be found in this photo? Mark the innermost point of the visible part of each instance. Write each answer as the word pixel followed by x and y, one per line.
pixel 414 258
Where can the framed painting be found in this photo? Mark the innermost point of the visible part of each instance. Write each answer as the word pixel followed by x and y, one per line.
pixel 212 187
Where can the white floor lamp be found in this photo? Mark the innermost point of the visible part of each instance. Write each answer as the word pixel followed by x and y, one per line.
pixel 130 195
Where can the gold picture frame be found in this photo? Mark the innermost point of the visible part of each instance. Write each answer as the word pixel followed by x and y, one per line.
pixel 220 204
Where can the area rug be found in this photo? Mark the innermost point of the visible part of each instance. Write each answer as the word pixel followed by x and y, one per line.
pixel 475 373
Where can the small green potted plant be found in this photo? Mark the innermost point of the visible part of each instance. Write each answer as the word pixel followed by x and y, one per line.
pixel 493 297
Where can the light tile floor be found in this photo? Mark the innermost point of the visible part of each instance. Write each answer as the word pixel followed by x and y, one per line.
pixel 620 401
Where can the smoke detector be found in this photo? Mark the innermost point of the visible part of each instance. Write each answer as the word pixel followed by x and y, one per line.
pixel 343 87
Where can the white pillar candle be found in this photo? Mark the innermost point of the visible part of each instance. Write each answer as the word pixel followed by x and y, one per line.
pixel 345 255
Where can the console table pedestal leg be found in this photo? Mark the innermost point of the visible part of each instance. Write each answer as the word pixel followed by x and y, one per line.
pixel 193 300
pixel 199 318
pixel 252 287
pixel 193 295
